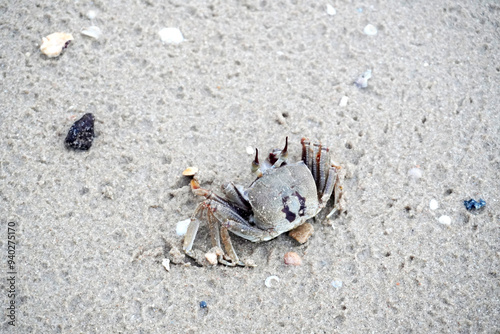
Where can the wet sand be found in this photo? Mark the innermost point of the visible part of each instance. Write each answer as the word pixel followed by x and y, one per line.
pixel 93 227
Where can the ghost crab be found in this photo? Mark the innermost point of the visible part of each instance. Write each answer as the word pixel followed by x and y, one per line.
pixel 282 197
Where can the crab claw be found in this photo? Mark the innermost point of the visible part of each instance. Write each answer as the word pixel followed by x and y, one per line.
pixel 197 190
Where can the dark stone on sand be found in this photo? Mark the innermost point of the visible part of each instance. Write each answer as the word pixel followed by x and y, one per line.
pixel 81 133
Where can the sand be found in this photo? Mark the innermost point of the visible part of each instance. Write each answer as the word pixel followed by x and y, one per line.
pixel 93 227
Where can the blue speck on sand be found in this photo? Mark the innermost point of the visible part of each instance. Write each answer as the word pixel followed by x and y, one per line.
pixel 203 304
pixel 474 205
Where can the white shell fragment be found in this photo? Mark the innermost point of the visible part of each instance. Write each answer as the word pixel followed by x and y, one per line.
pixel 250 150
pixel 54 44
pixel 343 101
pixel 182 227
pixel 370 30
pixel 362 81
pixel 166 264
pixel 268 281
pixel 445 220
pixel 330 10
pixel 92 32
pixel 415 173
pixel 337 284
pixel 433 204
pixel 91 14
pixel 171 35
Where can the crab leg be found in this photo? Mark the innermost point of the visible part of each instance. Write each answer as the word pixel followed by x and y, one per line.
pixel 193 229
pixel 249 232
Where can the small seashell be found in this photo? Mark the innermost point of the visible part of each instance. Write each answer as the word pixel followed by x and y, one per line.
pixel 190 171
pixel 250 150
pixel 92 31
pixel 292 258
pixel 433 204
pixel 268 281
pixel 182 226
pixel 166 264
pixel 302 232
pixel 54 44
pixel 171 35
pixel 370 30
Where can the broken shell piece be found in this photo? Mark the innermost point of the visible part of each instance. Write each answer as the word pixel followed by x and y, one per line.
pixel 370 30
pixel 292 258
pixel 92 32
pixel 166 264
pixel 55 43
pixel 190 171
pixel 302 232
pixel 343 101
pixel 182 226
pixel 171 35
pixel 362 81
pixel 268 281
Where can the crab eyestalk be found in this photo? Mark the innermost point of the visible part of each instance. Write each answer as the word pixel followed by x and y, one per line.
pixel 283 155
pixel 255 164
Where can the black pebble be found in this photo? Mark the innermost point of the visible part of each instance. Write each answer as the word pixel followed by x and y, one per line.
pixel 81 134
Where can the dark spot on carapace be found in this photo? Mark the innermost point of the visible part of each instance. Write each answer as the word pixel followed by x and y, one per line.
pixel 302 202
pixel 289 215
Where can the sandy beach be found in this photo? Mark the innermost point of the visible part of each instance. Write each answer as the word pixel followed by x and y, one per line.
pixel 84 234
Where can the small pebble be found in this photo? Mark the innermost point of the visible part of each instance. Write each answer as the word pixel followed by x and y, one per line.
pixel 203 304
pixel 337 284
pixel 92 32
pixel 211 258
pixel 171 35
pixel 182 226
pixel 471 204
pixel 166 264
pixel 330 10
pixel 302 232
pixel 293 259
pixel 190 171
pixel 270 279
pixel 54 44
pixel 370 30
pixel 81 133
pixel 415 173
pixel 362 81
pixel 433 204
pixel 445 220
pixel 343 101
pixel 250 150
